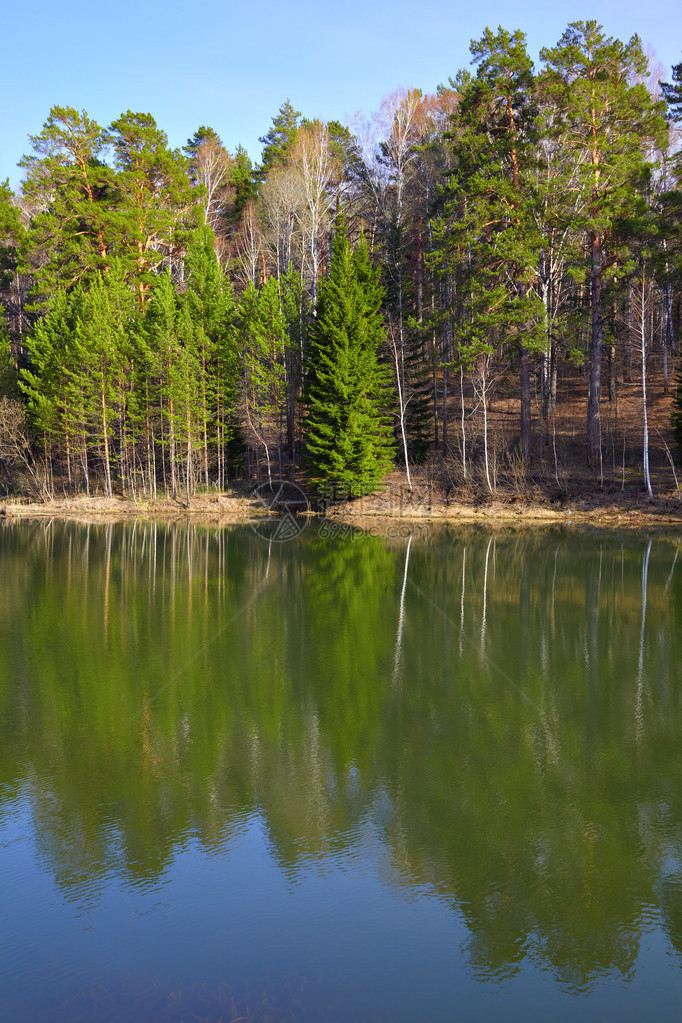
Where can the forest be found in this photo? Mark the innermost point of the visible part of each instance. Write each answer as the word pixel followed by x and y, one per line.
pixel 462 286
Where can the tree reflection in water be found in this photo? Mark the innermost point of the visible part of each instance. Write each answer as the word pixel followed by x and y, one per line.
pixel 505 710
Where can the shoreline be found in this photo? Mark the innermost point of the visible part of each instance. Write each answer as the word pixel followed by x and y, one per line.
pixel 230 509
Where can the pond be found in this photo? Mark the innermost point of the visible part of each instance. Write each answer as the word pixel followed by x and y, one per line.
pixel 319 777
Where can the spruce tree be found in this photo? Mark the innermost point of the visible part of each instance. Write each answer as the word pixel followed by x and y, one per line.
pixel 212 310
pixel 263 328
pixel 348 434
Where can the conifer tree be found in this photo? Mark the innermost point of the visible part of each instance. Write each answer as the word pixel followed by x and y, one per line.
pixel 11 233
pixel 488 228
pixel 264 334
pixel 347 431
pixel 279 139
pixel 212 311
pixel 156 198
pixel 606 115
pixel 167 371
pixel 242 181
pixel 100 352
pixel 672 93
pixel 73 196
pixel 51 382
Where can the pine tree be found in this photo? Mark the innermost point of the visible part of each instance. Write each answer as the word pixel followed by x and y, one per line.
pixel 156 201
pixel 212 310
pixel 51 382
pixel 347 431
pixel 605 114
pixel 488 230
pixel 11 233
pixel 672 93
pixel 279 139
pixel 242 180
pixel 264 333
pixel 99 347
pixel 74 200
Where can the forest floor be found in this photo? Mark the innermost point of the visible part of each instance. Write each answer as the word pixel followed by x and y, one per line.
pixel 556 487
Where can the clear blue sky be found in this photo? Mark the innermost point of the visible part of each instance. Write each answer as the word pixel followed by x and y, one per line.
pixel 231 65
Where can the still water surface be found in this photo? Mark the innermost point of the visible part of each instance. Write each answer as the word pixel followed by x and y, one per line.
pixel 339 779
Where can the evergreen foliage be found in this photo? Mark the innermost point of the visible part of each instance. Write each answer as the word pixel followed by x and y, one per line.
pixel 604 112
pixel 505 216
pixel 74 197
pixel 347 431
pixel 11 234
pixel 488 231
pixel 242 179
pixel 672 93
pixel 280 138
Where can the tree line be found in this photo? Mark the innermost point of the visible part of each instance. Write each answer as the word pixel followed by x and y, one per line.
pixel 178 317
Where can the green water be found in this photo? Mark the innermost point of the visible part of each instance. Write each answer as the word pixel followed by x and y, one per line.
pixel 345 778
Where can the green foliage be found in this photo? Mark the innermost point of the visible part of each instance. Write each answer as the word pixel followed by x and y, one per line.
pixel 264 338
pixel 201 135
pixel 672 93
pixel 73 196
pixel 605 113
pixel 243 180
pixel 84 213
pixel 79 383
pixel 47 381
pixel 9 382
pixel 11 234
pixel 543 189
pixel 487 236
pixel 347 431
pixel 156 204
pixel 279 139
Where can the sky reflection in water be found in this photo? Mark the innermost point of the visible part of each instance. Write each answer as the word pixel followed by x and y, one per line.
pixel 339 779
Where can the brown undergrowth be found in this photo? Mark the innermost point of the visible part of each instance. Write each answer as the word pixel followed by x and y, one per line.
pixel 555 486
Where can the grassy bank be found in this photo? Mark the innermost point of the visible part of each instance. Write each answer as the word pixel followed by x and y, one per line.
pixel 429 501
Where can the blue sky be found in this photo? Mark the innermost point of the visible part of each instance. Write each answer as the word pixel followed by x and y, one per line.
pixel 231 66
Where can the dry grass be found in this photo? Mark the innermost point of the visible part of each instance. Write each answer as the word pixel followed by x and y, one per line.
pixel 427 503
pixel 224 508
pixel 556 487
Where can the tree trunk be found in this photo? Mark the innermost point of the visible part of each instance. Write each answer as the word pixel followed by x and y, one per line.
pixel 105 443
pixel 525 404
pixel 642 332
pixel 593 416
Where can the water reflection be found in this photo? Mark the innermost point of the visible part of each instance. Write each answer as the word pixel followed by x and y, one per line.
pixel 499 714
